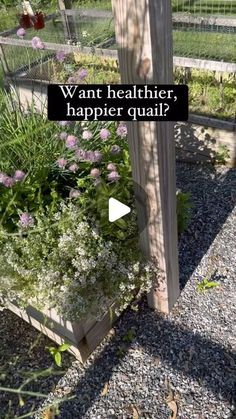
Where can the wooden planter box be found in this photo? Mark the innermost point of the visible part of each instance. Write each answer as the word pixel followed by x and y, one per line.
pixel 31 84
pixel 83 337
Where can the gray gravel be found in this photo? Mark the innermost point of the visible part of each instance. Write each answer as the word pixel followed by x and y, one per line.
pixel 188 356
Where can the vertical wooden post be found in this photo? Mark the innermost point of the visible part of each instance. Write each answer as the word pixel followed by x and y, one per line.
pixel 144 37
pixel 68 22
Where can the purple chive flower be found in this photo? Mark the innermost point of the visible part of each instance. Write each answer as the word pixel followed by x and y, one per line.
pixel 94 156
pixel 95 173
pixel 82 74
pixel 111 167
pixel 113 176
pixel 62 163
pixel 122 130
pixel 8 182
pixel 19 175
pixel 74 193
pixel 63 135
pixel 115 149
pixel 60 56
pixel 26 220
pixel 73 168
pixel 87 135
pixel 71 141
pixel 97 156
pixel 37 43
pixel 3 176
pixel 80 154
pixel 104 134
pixel 21 32
pixel 90 156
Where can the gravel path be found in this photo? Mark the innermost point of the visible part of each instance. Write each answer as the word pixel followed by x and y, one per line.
pixel 151 364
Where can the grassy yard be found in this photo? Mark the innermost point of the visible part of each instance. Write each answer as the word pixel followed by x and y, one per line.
pixel 208 45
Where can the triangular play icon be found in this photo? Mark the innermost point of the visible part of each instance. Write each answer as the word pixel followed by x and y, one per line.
pixel 117 210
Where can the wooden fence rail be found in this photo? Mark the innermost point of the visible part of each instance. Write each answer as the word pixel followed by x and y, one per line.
pixel 177 61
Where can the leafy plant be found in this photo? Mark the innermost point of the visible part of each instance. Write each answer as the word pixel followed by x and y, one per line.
pixel 86 272
pixel 129 336
pixel 222 154
pixel 56 352
pixel 205 285
pixel 184 206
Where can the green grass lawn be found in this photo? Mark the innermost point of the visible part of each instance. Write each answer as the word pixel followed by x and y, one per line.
pixel 224 7
pixel 208 45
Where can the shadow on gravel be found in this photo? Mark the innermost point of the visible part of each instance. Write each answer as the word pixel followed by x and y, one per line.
pixel 25 363
pixel 213 195
pixel 189 353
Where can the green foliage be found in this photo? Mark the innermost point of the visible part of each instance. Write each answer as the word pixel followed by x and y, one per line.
pixel 28 143
pixel 129 336
pixel 208 95
pixel 206 45
pixel 94 4
pixel 56 352
pixel 68 243
pixel 101 70
pixel 184 206
pixel 86 272
pixel 222 154
pixel 205 285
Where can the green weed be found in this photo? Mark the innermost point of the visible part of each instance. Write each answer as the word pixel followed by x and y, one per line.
pixel 205 285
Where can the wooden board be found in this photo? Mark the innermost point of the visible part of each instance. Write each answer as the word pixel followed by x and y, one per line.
pixel 83 337
pixel 189 18
pixel 143 34
pixel 200 142
pixel 187 62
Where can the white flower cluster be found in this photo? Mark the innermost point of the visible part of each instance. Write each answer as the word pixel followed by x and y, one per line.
pixel 70 267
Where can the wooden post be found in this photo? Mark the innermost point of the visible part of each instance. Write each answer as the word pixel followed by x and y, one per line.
pixel 144 36
pixel 68 21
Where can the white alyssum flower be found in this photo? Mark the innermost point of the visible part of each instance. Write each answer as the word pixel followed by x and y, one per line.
pixel 71 267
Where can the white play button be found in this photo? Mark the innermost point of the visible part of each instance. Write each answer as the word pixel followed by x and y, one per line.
pixel 117 210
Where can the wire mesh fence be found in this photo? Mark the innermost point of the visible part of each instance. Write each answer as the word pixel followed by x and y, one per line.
pixel 203 29
pixel 205 7
pixel 196 35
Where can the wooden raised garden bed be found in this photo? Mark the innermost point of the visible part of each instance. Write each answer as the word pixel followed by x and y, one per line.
pixel 196 140
pixel 83 337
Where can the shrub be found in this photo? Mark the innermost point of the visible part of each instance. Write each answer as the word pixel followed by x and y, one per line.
pixel 63 262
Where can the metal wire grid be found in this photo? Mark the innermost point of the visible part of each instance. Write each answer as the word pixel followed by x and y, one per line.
pixel 196 34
